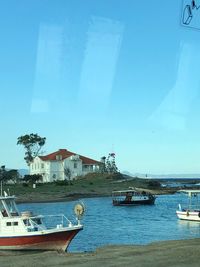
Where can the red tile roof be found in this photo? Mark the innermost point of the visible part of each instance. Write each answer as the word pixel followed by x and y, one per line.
pixel 66 154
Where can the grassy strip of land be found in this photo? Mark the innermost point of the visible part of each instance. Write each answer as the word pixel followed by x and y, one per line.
pixel 91 185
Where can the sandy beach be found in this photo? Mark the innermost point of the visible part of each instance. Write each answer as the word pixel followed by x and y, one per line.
pixel 169 253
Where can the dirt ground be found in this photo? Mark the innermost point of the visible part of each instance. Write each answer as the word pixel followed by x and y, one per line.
pixel 160 254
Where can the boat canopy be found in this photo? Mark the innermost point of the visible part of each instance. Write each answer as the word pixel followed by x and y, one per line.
pixel 190 193
pixel 129 192
pixel 8 207
pixel 124 191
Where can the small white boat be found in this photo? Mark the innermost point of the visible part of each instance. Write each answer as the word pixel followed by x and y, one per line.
pixel 26 231
pixel 191 212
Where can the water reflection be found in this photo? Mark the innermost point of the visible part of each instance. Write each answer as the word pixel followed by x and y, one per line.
pixel 192 227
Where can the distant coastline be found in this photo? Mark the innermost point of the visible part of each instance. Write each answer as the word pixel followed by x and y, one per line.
pixel 23 172
pixel 164 176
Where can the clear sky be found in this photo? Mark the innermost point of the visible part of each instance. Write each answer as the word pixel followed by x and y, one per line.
pixel 100 76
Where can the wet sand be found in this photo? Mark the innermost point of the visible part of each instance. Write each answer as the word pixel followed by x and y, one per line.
pixel 160 254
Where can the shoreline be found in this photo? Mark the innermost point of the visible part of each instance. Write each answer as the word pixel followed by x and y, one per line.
pixel 95 185
pixel 69 198
pixel 174 253
pixel 79 196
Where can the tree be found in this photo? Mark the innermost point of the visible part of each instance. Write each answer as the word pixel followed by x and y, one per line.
pixel 68 174
pixel 32 178
pixel 12 175
pixel 108 164
pixel 32 144
pixel 102 167
pixel 8 175
pixel 2 173
pixel 114 168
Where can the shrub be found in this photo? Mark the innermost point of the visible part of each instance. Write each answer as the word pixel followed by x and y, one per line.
pixel 61 183
pixel 154 184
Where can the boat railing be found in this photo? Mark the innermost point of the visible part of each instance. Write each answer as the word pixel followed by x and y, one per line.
pixel 194 206
pixel 58 221
pixel 191 207
pixel 35 226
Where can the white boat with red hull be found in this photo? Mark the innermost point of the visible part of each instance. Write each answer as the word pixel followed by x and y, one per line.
pixel 25 231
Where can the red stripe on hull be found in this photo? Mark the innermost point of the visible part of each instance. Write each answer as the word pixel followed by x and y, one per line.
pixel 50 241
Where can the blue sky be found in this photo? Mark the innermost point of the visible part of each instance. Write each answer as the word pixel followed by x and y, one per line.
pixel 100 76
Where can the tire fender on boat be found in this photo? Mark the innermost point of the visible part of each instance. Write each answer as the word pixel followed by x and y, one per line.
pixel 187 213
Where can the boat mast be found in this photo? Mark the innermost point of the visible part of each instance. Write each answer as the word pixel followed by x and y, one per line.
pixel 190 200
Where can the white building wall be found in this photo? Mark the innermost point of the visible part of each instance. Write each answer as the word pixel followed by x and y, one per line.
pixel 54 170
pixel 40 167
pixel 75 166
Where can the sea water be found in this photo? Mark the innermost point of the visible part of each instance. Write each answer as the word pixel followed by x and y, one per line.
pixel 105 224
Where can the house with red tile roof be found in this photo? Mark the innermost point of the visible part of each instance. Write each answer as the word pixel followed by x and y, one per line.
pixel 62 165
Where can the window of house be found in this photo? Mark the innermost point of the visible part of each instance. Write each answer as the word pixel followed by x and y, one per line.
pixel 8 224
pixel 86 166
pixel 15 223
pixel 42 165
pixel 75 165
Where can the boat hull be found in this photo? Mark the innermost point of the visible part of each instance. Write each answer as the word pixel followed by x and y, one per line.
pixel 188 215
pixel 52 240
pixel 133 202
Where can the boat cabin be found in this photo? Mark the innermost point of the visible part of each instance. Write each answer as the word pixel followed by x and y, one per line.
pixel 8 207
pixel 11 220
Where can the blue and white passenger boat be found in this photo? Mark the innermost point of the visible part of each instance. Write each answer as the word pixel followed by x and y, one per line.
pixel 132 197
